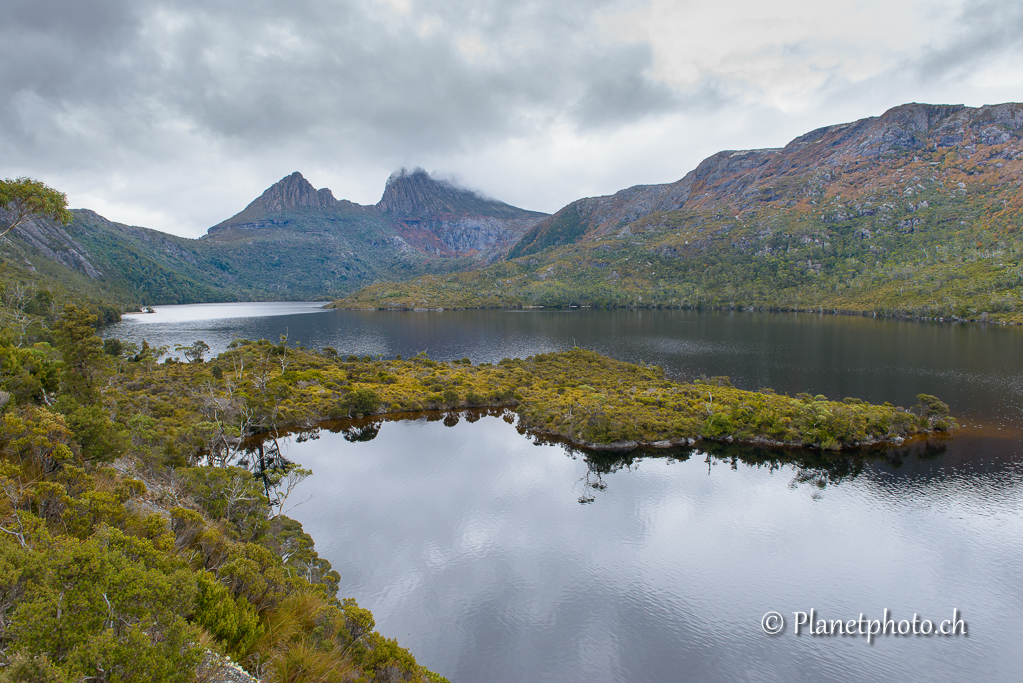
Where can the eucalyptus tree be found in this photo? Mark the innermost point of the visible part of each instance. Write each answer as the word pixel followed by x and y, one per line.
pixel 25 199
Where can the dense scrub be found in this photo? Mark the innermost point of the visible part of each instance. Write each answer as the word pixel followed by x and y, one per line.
pixel 577 395
pixel 124 556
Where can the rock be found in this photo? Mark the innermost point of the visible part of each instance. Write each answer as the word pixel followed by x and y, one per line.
pixel 291 192
pixel 216 668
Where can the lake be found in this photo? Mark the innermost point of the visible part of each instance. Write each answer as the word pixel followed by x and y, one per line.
pixel 496 557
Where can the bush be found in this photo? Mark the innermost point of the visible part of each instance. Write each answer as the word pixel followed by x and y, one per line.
pixel 363 400
pixel 234 622
pixel 108 608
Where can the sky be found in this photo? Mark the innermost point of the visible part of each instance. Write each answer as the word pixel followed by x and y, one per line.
pixel 175 114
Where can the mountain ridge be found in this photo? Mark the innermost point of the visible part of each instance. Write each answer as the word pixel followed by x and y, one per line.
pixel 917 211
pixel 417 214
pixel 729 175
pixel 292 241
pixel 416 194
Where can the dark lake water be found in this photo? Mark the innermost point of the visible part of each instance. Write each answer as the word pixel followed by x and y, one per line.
pixel 470 544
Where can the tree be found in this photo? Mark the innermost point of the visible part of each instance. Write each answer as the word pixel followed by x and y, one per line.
pixel 194 353
pixel 24 199
pixel 82 351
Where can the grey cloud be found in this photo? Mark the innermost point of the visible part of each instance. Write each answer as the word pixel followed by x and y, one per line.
pixel 59 49
pixel 986 29
pixel 621 92
pixel 170 105
pixel 267 73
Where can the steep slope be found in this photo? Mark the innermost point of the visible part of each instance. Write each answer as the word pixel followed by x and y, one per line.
pixel 312 242
pixel 442 218
pixel 917 211
pixel 110 265
pixel 746 179
pixel 291 193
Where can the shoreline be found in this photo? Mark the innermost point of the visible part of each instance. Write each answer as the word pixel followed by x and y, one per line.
pixel 664 446
pixel 818 310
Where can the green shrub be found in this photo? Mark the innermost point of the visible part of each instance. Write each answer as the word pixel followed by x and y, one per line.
pixel 362 400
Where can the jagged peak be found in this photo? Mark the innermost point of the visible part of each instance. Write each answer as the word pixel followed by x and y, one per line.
pixel 404 172
pixel 417 194
pixel 290 192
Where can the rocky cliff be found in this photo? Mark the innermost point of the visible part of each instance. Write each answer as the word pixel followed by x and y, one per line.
pixel 416 194
pixel 915 212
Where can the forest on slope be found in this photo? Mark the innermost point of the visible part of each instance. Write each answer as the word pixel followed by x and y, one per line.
pixel 917 212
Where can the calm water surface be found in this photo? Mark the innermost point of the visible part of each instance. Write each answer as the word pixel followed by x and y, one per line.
pixel 471 546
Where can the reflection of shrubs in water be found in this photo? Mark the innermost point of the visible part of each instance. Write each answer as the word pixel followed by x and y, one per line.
pixel 367 429
pixel 816 468
pixel 364 432
pixel 593 481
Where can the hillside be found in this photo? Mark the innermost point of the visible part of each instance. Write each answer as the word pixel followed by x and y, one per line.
pixel 292 242
pixel 915 212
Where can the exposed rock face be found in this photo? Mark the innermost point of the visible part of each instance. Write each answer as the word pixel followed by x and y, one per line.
pixel 56 244
pixel 447 220
pixel 290 192
pixel 480 234
pixel 417 213
pixel 415 194
pixel 744 178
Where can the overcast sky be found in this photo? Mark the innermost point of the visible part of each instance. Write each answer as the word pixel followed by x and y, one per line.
pixel 174 114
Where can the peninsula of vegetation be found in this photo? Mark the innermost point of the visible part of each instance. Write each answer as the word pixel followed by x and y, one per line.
pixel 143 524
pixel 580 396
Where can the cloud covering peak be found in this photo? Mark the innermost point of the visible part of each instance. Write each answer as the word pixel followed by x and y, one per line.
pixel 173 113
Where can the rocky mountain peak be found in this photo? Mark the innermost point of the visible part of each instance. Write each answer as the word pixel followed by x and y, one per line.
pixel 291 192
pixel 417 194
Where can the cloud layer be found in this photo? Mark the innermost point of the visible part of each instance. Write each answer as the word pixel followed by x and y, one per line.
pixel 175 113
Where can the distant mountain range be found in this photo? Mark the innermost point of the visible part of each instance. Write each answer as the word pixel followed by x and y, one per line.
pixel 917 211
pixel 293 241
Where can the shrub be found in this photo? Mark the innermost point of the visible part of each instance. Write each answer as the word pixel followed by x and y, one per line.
pixel 362 400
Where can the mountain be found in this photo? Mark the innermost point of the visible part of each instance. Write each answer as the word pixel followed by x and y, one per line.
pixel 109 265
pixel 293 241
pixel 291 193
pixel 417 213
pixel 452 220
pixel 748 179
pixel 916 212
